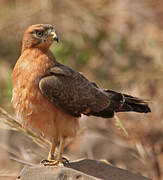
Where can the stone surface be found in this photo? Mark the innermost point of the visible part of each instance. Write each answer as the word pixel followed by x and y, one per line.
pixel 81 170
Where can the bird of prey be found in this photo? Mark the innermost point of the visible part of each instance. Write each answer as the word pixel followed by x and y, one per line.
pixel 50 97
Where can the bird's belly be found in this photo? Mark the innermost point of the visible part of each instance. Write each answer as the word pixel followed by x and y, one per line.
pixel 38 113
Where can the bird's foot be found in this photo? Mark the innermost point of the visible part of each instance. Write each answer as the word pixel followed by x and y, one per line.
pixel 53 162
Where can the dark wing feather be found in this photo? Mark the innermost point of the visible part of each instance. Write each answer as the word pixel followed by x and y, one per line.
pixel 72 92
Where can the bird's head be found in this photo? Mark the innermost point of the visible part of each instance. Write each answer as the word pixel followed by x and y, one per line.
pixel 39 36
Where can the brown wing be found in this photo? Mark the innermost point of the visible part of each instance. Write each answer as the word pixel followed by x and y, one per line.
pixel 72 92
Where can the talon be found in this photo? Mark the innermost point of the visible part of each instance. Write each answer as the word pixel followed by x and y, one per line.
pixel 44 161
pixel 65 161
pixel 52 162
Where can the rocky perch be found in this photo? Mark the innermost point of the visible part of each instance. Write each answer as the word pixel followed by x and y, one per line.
pixel 81 170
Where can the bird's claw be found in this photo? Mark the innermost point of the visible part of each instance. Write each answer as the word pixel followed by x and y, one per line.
pixel 65 161
pixel 53 162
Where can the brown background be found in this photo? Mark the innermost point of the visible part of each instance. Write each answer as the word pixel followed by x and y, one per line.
pixel 118 44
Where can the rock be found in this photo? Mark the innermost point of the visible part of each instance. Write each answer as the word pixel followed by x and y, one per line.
pixel 81 170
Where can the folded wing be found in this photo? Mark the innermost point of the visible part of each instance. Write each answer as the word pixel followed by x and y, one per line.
pixel 72 92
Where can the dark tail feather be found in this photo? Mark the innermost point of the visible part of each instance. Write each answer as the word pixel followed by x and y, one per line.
pixel 134 104
pixel 123 103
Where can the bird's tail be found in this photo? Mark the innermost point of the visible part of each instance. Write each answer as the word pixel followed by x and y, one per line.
pixel 123 103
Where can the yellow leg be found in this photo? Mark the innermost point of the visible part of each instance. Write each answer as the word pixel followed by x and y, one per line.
pixel 58 161
pixel 52 150
pixel 61 147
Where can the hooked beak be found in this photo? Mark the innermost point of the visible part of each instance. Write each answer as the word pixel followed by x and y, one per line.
pixel 54 37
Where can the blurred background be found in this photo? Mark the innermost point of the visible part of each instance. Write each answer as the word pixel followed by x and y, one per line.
pixel 119 45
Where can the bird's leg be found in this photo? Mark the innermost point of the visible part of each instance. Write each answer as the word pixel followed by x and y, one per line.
pixel 59 160
pixel 51 159
pixel 61 147
pixel 52 150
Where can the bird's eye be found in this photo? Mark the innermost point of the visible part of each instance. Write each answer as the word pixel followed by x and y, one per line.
pixel 39 33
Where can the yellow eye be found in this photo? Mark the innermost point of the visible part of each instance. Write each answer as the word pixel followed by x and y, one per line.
pixel 39 33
